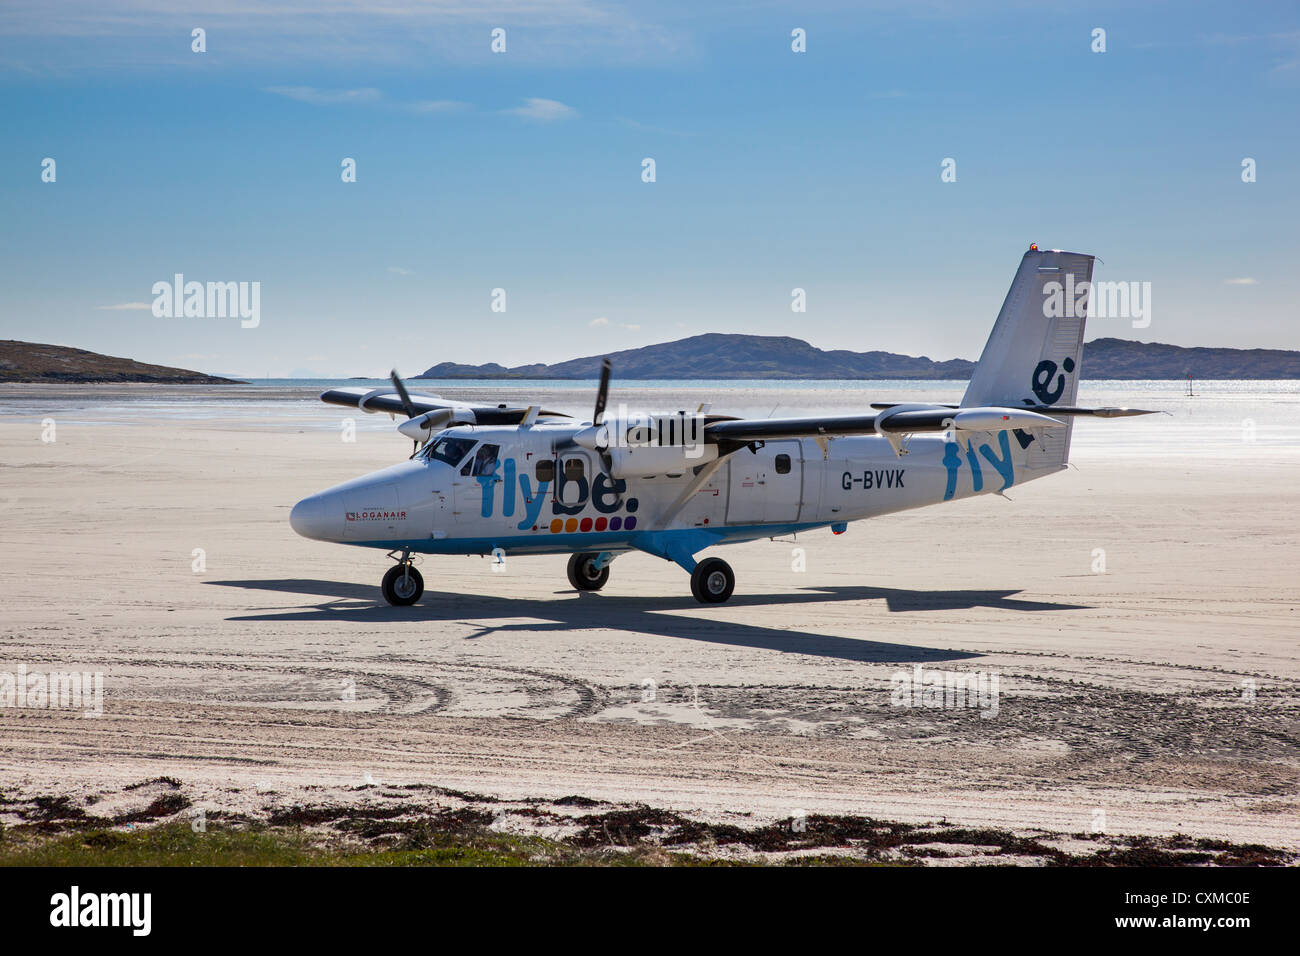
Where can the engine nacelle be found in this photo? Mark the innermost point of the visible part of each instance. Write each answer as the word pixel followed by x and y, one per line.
pixel 423 427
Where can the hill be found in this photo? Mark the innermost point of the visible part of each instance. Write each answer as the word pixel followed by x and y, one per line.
pixel 726 356
pixel 33 362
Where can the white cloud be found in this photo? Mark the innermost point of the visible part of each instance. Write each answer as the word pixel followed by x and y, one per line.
pixel 543 110
pixel 1245 280
pixel 127 307
pixel 646 128
pixel 319 97
pixel 602 323
pixel 367 95
pixel 435 106
pixel 279 32
pixel 398 270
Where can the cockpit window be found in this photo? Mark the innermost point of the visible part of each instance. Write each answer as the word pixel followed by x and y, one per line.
pixel 485 461
pixel 448 449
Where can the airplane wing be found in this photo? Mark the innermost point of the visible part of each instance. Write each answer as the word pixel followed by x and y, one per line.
pixel 762 429
pixel 1071 411
pixel 388 400
pixel 898 419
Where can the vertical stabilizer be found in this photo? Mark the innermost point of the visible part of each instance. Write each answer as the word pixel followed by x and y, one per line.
pixel 1034 354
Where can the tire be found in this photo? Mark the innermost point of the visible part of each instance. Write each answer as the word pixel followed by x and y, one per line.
pixel 583 574
pixel 712 581
pixel 399 589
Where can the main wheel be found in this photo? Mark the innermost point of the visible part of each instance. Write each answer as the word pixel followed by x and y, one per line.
pixel 402 585
pixel 583 573
pixel 712 581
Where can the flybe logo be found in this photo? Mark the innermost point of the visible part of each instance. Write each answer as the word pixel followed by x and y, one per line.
pixel 952 461
pixel 569 497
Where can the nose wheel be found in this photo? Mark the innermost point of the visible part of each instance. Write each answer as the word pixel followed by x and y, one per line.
pixel 712 581
pixel 402 585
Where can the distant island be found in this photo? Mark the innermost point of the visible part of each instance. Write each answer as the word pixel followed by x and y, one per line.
pixel 725 356
pixel 30 362
pixel 714 355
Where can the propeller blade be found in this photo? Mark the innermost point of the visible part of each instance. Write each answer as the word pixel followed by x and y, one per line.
pixel 404 395
pixel 602 394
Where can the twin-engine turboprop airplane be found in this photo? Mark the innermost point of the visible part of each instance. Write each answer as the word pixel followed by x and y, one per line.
pixel 521 480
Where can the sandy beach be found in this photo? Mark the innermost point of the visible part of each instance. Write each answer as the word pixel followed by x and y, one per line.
pixel 259 669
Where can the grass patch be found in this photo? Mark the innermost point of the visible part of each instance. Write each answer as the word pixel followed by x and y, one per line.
pixel 176 844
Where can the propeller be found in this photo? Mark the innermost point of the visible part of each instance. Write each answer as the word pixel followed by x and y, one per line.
pixel 596 437
pixel 407 405
pixel 602 396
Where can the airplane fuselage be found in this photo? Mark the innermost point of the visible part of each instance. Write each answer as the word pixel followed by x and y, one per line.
pixel 540 494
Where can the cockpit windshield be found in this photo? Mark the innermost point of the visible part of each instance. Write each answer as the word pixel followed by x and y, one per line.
pixel 448 449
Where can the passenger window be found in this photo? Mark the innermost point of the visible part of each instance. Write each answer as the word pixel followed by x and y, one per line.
pixel 783 464
pixel 485 460
pixel 573 469
pixel 545 470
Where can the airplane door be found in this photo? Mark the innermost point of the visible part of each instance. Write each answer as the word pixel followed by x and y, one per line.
pixel 766 485
pixel 571 489
pixel 476 495
pixel 440 517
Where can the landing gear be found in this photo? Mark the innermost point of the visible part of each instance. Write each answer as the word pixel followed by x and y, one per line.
pixel 712 581
pixel 402 585
pixel 584 572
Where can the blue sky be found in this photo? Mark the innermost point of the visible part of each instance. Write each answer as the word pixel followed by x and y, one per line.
pixel 522 171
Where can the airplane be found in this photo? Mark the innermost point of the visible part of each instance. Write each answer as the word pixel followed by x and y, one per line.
pixel 520 480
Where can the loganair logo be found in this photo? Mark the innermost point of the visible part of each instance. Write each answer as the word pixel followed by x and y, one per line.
pixel 569 497
pixel 376 515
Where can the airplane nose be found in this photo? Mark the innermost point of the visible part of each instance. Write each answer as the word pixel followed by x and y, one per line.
pixel 309 518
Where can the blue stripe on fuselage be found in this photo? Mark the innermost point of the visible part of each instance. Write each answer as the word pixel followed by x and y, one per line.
pixel 568 543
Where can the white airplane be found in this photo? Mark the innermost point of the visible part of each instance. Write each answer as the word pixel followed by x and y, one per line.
pixel 500 480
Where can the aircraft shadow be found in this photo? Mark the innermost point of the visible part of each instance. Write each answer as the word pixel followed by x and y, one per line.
pixel 578 611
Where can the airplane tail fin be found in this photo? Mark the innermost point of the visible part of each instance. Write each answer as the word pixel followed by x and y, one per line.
pixel 1034 353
